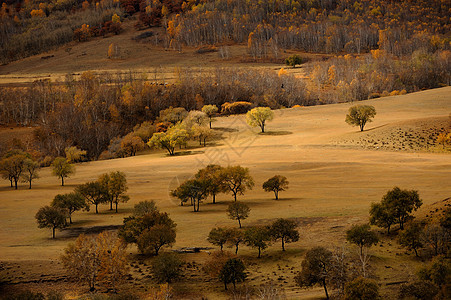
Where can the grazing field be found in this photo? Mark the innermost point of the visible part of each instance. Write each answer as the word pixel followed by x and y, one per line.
pixel 335 173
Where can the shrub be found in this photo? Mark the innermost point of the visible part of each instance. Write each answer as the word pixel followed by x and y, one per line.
pixel 234 108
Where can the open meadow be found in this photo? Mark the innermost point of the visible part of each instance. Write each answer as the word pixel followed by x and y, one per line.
pixel 335 173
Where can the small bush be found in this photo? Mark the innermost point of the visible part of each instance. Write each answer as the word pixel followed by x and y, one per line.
pixel 234 108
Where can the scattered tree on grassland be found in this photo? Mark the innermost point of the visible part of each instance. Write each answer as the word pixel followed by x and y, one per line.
pixel 362 289
pixel 411 238
pixel 210 111
pixel 218 236
pixel 201 133
pixel 276 184
pixel 359 115
pixel 51 217
pixel 173 114
pixel 238 211
pixel 62 168
pixel 166 267
pixel 235 180
pixel 94 192
pixel 195 190
pixel 235 238
pixel 115 184
pixel 315 269
pixel 210 175
pixel 259 116
pixel 217 260
pixel 257 237
pixel 195 117
pixel 131 144
pixel 150 231
pixel 71 203
pixel 362 236
pixel 30 171
pixel 293 60
pixel 285 230
pixel 151 240
pixel 97 258
pixel 12 165
pixel 174 136
pixel 232 272
pixel 144 207
pixel 395 208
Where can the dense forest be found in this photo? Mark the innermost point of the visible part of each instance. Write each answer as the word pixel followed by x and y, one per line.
pixel 327 26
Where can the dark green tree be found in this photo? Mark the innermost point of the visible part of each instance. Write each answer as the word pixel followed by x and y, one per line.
pixel 218 236
pixel 235 238
pixel 362 289
pixel 210 175
pixel 316 269
pixel 276 184
pixel 62 168
pixel 115 184
pixel 359 115
pixel 51 217
pixel 152 239
pixel 257 237
pixel 362 236
pixel 411 238
pixel 238 211
pixel 232 272
pixel 285 230
pixel 195 190
pixel 71 203
pixel 293 60
pixel 94 192
pixel 166 267
pixel 380 215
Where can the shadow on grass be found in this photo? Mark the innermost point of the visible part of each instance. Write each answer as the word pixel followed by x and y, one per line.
pixel 225 129
pixel 276 133
pixel 73 232
pixel 185 153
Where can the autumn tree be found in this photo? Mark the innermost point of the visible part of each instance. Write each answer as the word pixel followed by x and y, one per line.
pixel 285 230
pixel 259 116
pixel 359 115
pixel 195 190
pixel 232 272
pixel 166 267
pixel 150 231
pixel 101 258
pixel 210 111
pixel 62 168
pixel 218 236
pixel 12 165
pixel 238 211
pixel 30 171
pixel 174 136
pixel 397 204
pixel 51 217
pixel 444 138
pixel 173 114
pixel 152 239
pixel 362 236
pixel 210 175
pixel 144 207
pixel 293 60
pixel 316 269
pixel 115 184
pixel 73 154
pixel 276 184
pixel 235 180
pixel 71 203
pixel 94 192
pixel 257 237
pixel 131 144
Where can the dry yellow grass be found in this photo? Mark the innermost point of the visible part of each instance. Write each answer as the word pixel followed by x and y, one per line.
pixel 331 187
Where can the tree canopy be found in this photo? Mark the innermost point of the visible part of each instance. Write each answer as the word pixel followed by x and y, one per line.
pixel 62 168
pixel 276 184
pixel 359 115
pixel 285 230
pixel 238 211
pixel 259 116
pixel 51 217
pixel 235 180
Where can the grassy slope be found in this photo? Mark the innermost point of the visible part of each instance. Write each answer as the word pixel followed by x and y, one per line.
pixel 331 187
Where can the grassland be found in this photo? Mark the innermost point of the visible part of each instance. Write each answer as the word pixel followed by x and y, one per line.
pixel 333 181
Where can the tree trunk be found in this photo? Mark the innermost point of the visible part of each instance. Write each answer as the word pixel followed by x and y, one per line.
pixel 70 218
pixel 234 195
pixel 11 182
pixel 325 289
pixel 214 198
pixel 239 222
pixel 236 249
pixel 283 244
pixel 15 183
pixel 416 253
pixel 225 285
pixel 210 123
pixel 62 180
pixel 111 205
pixel 53 232
pixel 116 207
pixel 259 252
pixel 276 193
pixel 96 209
pixel 30 185
pixel 263 128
